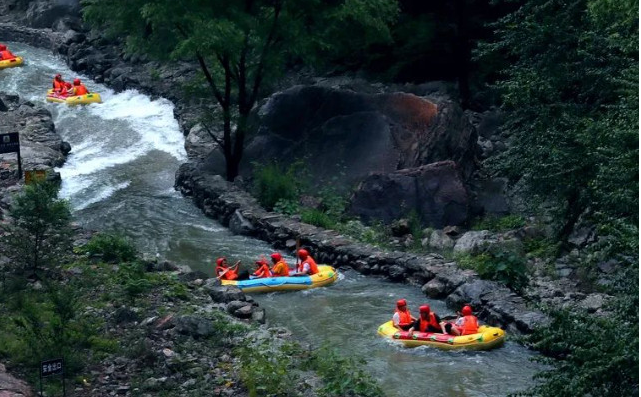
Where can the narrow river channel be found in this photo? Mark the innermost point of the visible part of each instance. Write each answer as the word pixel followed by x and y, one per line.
pixel 119 176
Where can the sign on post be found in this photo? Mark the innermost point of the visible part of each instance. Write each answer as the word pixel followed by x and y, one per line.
pixel 51 368
pixel 10 143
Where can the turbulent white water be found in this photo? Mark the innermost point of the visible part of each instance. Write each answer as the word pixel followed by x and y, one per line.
pixel 119 176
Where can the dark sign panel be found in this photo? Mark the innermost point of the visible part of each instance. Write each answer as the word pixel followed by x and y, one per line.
pixel 10 143
pixel 51 367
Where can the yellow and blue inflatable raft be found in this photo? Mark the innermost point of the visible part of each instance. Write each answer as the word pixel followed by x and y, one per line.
pixel 487 338
pixel 92 97
pixel 9 63
pixel 326 275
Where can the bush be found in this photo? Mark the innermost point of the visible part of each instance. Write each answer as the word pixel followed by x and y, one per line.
pixel 342 376
pixel 111 247
pixel 496 224
pixel 265 372
pixel 507 267
pixel 592 354
pixel 273 183
pixel 318 218
pixel 375 234
pixel 39 233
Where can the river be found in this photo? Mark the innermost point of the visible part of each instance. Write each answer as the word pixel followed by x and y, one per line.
pixel 119 176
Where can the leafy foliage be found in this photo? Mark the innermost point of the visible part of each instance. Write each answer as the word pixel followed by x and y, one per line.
pixel 111 247
pixel 571 101
pixel 39 233
pixel 592 354
pixel 506 266
pixel 343 376
pixel 499 224
pixel 273 184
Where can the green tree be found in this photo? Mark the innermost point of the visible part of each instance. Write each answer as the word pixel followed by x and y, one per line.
pixel 571 100
pixel 39 232
pixel 241 45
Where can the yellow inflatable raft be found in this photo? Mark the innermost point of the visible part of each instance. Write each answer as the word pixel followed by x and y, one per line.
pixel 487 338
pixel 92 97
pixel 9 63
pixel 325 276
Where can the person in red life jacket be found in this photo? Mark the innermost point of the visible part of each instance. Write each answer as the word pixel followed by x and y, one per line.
pixel 224 272
pixel 5 53
pixel 79 88
pixel 466 324
pixel 280 268
pixel 307 265
pixel 64 91
pixel 402 318
pixel 428 321
pixel 262 269
pixel 58 83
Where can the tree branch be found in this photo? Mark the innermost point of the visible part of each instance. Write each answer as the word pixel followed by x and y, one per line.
pixel 261 63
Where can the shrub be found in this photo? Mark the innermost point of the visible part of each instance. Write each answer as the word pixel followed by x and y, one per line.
pixel 265 372
pixel 133 279
pixel 273 183
pixel 111 247
pixel 342 376
pixel 318 218
pixel 592 354
pixel 375 234
pixel 507 267
pixel 499 224
pixel 39 233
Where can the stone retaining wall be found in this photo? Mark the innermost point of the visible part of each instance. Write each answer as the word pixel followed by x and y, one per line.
pixel 438 277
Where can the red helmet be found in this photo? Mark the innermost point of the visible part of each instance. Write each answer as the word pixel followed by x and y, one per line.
pixel 3 47
pixel 466 310
pixel 401 302
pixel 58 77
pixel 220 261
pixel 424 309
pixel 68 84
pixel 262 262
pixel 276 256
pixel 76 82
pixel 302 253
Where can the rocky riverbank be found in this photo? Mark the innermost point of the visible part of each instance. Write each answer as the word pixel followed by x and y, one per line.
pixel 439 278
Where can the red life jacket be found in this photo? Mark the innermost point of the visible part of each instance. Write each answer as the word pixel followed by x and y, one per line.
pixel 470 325
pixel 230 275
pixel 57 85
pixel 263 271
pixel 404 318
pixel 313 268
pixel 284 268
pixel 423 325
pixel 6 55
pixel 80 90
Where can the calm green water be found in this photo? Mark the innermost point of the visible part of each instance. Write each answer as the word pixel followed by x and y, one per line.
pixel 120 176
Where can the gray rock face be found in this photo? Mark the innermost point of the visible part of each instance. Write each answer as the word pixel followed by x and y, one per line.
pixel 40 146
pixel 12 387
pixel 44 14
pixel 473 242
pixel 194 326
pixel 436 192
pixel 239 225
pixel 351 134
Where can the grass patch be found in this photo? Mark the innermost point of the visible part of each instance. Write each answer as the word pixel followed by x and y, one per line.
pixel 499 224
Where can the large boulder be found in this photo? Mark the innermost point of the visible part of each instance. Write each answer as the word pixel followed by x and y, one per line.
pixel 346 135
pixel 435 192
pixel 45 14
pixel 13 387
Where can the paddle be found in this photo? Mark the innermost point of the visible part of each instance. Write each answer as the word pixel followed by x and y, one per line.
pixel 296 252
pixel 228 269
